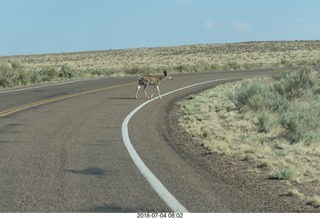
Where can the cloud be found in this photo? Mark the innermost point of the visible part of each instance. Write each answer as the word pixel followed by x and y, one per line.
pixel 210 24
pixel 241 26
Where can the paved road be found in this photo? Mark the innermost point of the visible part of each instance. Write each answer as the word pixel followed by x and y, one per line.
pixel 65 152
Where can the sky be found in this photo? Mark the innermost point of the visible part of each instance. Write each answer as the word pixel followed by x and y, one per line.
pixel 54 26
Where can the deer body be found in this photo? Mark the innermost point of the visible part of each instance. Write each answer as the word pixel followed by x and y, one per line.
pixel 155 80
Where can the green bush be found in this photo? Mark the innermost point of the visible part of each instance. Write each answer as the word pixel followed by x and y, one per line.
pixel 232 66
pixel 45 74
pixel 293 85
pixel 182 68
pixel 202 67
pixel 285 63
pixel 132 70
pixel 6 74
pixel 14 75
pixel 262 123
pixel 301 120
pixel 258 96
pixel 293 99
pixel 23 78
pixel 215 67
pixel 290 123
pixel 102 72
pixel 136 70
pixel 281 174
pixel 279 74
pixel 67 72
pixel 247 91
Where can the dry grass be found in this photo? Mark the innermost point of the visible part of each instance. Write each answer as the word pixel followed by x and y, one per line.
pixel 189 58
pixel 256 135
pixel 180 59
pixel 314 201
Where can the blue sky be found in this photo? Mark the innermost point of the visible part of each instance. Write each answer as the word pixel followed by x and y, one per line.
pixel 52 26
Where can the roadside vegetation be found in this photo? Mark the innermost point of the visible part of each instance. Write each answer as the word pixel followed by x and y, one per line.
pixel 272 123
pixel 22 70
pixel 15 74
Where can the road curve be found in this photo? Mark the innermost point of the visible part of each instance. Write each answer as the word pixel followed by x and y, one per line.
pixel 62 150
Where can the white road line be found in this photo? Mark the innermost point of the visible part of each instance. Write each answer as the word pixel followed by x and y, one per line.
pixel 155 183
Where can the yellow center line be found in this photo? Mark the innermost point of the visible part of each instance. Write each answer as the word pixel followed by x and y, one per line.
pixel 55 99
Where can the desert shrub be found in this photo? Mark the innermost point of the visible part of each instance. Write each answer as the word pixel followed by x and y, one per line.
pixel 275 95
pixel 249 66
pixel 6 74
pixel 17 66
pixel 292 97
pixel 258 96
pixel 279 74
pixel 136 70
pixel 294 85
pixel 314 201
pixel 202 67
pixel 281 174
pixel 232 66
pixel 262 122
pixel 182 68
pixel 23 78
pixel 49 73
pixel 146 70
pixel 285 63
pixel 45 74
pixel 247 91
pixel 67 72
pixel 199 67
pixel 14 75
pixel 290 124
pixel 215 67
pixel 102 72
pixel 300 121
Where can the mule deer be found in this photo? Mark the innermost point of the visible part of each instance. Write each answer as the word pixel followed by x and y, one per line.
pixel 155 80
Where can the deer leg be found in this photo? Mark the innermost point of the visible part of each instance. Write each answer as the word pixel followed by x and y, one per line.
pixel 145 91
pixel 154 91
pixel 138 88
pixel 158 91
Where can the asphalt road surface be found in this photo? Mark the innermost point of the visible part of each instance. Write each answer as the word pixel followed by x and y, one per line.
pixel 62 150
